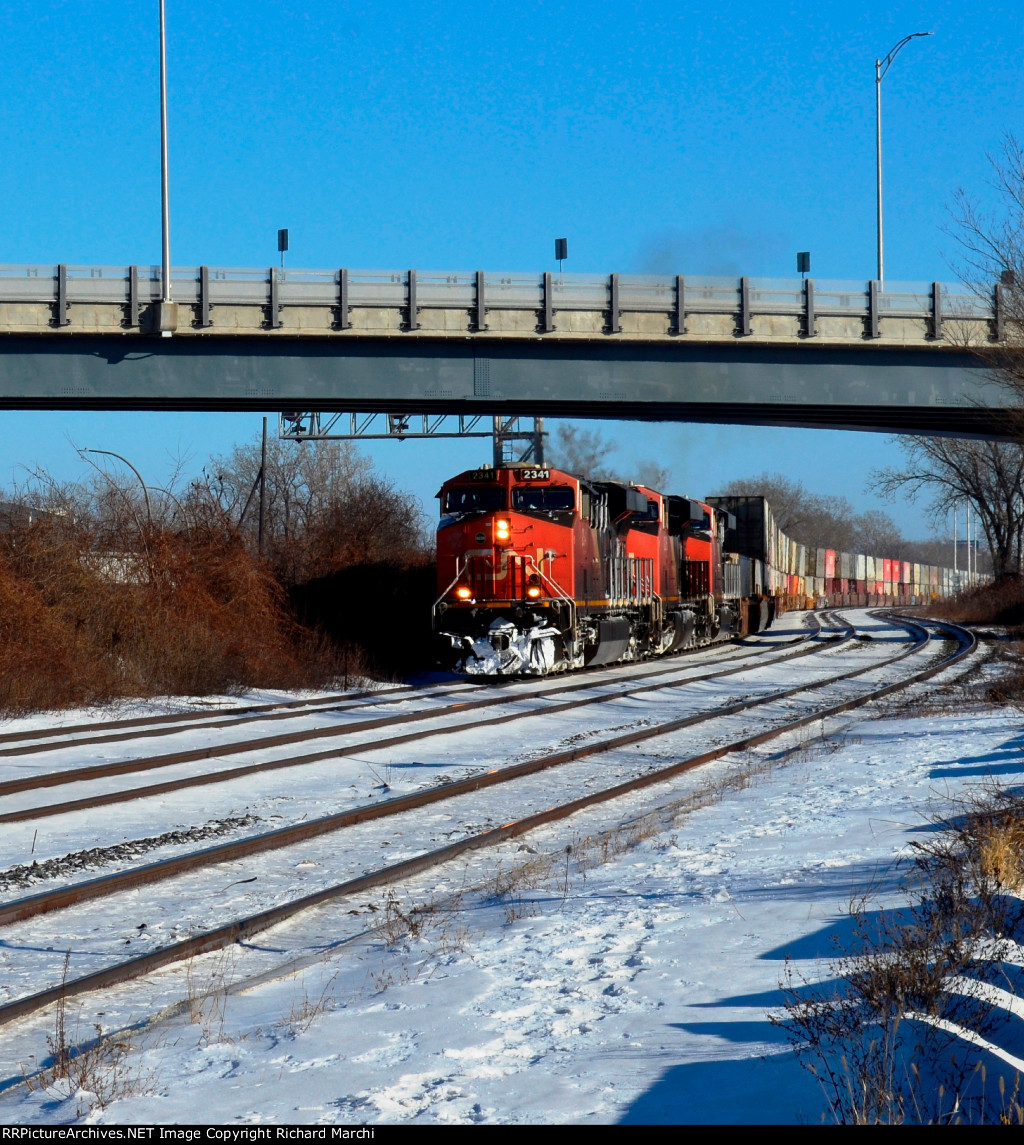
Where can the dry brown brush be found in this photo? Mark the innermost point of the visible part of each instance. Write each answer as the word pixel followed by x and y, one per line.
pixel 90 612
pixel 896 1035
pixel 1001 602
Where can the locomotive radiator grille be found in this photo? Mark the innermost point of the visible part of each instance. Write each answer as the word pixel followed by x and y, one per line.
pixel 630 581
pixel 694 580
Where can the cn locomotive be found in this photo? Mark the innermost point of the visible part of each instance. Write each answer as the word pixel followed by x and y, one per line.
pixel 541 571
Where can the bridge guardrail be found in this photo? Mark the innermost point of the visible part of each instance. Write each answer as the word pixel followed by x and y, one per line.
pixel 477 292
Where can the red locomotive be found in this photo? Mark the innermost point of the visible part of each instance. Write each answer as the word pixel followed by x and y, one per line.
pixel 542 571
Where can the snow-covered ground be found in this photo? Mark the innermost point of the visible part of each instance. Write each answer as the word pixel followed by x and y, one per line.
pixel 547 986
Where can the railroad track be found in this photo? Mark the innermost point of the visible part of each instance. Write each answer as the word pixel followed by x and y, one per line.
pixel 27 742
pixel 511 778
pixel 637 681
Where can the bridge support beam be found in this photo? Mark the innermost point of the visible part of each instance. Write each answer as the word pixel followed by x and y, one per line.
pixel 861 386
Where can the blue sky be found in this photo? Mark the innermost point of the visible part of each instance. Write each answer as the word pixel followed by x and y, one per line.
pixel 437 135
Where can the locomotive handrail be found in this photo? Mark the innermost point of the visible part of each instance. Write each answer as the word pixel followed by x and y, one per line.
pixel 459 570
pixel 631 580
pixel 559 592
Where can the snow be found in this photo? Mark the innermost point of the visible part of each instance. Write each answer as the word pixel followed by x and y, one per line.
pixel 546 986
pixel 529 652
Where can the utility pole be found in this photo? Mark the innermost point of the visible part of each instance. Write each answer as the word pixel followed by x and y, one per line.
pixel 263 485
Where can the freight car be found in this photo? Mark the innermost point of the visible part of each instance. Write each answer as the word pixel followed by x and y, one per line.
pixel 541 570
pixel 800 576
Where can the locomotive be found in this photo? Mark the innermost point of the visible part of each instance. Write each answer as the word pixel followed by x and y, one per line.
pixel 542 571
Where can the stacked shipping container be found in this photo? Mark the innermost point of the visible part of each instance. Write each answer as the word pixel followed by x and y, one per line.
pixel 806 576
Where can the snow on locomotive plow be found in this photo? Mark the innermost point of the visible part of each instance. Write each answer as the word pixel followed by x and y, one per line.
pixel 542 571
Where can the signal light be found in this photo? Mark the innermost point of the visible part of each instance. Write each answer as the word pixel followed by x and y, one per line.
pixel 463 593
pixel 533 592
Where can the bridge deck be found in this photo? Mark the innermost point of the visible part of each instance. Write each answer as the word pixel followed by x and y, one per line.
pixel 778 352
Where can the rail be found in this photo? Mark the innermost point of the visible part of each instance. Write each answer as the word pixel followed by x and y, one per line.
pixel 242 928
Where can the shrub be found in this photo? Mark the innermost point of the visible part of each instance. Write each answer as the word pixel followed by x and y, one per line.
pixel 164 612
pixel 1001 602
pixel 898 1033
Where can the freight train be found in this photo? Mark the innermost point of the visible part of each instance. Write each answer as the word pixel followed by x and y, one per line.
pixel 542 571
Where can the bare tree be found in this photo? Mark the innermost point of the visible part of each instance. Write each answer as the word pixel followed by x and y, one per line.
pixel 788 498
pixel 876 532
pixel 991 243
pixel 324 507
pixel 654 476
pixel 826 521
pixel 988 474
pixel 585 451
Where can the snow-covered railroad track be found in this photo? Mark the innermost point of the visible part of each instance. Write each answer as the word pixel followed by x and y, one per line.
pixel 49 739
pixel 640 681
pixel 89 950
pixel 169 723
pixel 283 837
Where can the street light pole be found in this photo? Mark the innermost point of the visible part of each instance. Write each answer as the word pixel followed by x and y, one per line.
pixel 881 67
pixel 165 196
pixel 145 491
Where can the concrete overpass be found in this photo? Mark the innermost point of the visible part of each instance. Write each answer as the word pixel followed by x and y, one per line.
pixel 741 350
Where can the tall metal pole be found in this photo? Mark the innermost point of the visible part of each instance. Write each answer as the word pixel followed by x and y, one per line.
pixel 881 67
pixel 263 487
pixel 956 570
pixel 878 163
pixel 969 577
pixel 165 195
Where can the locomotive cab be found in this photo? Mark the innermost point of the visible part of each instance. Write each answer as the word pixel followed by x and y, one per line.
pixel 505 569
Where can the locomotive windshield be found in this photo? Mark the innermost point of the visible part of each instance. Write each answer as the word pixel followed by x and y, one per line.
pixel 646 518
pixel 544 498
pixel 474 499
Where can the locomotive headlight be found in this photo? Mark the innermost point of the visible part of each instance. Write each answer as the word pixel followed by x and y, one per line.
pixel 463 593
pixel 502 530
pixel 533 592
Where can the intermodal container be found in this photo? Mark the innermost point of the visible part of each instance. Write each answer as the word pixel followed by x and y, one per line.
pixel 753 534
